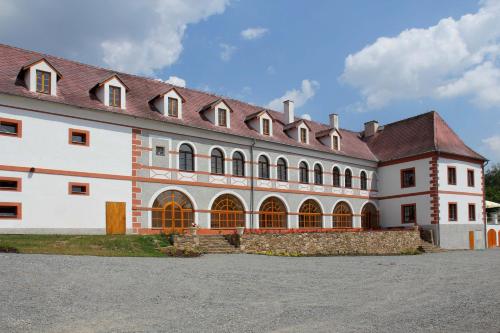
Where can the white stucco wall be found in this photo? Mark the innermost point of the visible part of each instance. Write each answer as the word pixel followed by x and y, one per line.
pixel 389 178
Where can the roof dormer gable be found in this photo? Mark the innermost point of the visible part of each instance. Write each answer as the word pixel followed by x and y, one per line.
pixel 41 77
pixel 330 137
pixel 299 130
pixel 218 113
pixel 112 92
pixel 169 103
pixel 261 121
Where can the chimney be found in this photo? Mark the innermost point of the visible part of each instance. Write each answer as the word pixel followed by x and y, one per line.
pixel 371 128
pixel 288 108
pixel 334 120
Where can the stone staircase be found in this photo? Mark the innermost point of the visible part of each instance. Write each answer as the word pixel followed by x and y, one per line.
pixel 216 244
pixel 428 247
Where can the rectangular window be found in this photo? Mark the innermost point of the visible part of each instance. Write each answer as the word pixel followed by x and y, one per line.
pixel 115 96
pixel 10 127
pixel 160 151
pixel 335 142
pixel 42 82
pixel 265 126
pixel 79 137
pixel 470 178
pixel 452 211
pixel 452 176
pixel 472 212
pixel 10 210
pixel 78 188
pixel 408 177
pixel 409 213
pixel 222 117
pixel 10 184
pixel 303 135
pixel 173 107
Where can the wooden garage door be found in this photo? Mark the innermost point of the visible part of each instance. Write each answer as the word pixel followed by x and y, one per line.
pixel 492 238
pixel 115 218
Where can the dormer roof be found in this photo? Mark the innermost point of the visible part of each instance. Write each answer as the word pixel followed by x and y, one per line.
pixel 33 63
pixel 327 132
pixel 211 105
pixel 258 114
pixel 296 124
pixel 109 78
pixel 166 92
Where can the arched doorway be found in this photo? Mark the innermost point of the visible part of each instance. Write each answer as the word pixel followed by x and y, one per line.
pixel 369 217
pixel 227 212
pixel 172 211
pixel 342 215
pixel 492 238
pixel 272 214
pixel 310 215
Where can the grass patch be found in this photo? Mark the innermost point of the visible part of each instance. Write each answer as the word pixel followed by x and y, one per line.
pixel 90 245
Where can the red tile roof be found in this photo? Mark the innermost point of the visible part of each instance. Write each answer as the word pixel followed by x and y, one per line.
pixel 78 79
pixel 424 133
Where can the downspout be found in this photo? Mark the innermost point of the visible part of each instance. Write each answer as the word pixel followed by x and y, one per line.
pixel 485 218
pixel 251 184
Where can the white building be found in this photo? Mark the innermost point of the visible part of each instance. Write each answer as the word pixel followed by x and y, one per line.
pixel 88 150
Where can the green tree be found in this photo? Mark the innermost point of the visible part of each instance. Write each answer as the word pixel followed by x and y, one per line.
pixel 492 183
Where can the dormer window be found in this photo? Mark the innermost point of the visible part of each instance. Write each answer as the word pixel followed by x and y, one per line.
pixel 222 118
pixel 173 107
pixel 303 135
pixel 335 142
pixel 266 124
pixel 43 82
pixel 115 96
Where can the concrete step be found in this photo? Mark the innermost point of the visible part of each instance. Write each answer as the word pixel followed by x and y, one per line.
pixel 427 247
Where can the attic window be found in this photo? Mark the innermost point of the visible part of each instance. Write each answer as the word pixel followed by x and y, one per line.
pixel 115 96
pixel 303 135
pixel 42 82
pixel 335 142
pixel 173 107
pixel 222 117
pixel 265 127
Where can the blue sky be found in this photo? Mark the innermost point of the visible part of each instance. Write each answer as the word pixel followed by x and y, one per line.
pixel 430 57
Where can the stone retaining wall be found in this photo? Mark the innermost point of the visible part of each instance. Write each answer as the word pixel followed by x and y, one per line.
pixel 333 243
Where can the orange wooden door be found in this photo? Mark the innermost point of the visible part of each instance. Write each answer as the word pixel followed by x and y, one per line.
pixel 471 240
pixel 115 218
pixel 492 238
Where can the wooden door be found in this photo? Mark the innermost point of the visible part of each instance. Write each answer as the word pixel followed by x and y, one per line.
pixel 115 218
pixel 492 238
pixel 471 240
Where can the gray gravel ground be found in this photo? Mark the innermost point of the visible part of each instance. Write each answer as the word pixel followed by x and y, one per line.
pixel 446 292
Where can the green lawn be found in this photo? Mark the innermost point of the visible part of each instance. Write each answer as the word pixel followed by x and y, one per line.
pixel 109 246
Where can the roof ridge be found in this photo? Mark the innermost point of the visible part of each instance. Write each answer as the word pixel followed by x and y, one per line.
pixel 434 130
pixel 410 118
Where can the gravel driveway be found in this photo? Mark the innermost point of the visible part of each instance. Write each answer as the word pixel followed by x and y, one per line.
pixel 446 292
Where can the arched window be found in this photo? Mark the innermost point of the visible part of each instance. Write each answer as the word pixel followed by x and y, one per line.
pixel 303 173
pixel 272 214
pixel 336 177
pixel 172 211
pixel 318 175
pixel 369 217
pixel 186 158
pixel 282 170
pixel 238 164
pixel 217 159
pixel 364 181
pixel 227 212
pixel 310 214
pixel 263 167
pixel 348 178
pixel 342 216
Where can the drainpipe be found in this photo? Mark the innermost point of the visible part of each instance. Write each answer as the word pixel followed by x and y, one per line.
pixel 251 183
pixel 485 217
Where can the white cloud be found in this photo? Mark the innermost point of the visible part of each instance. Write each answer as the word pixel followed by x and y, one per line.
pixel 270 70
pixel 227 51
pixel 140 37
pixel 298 96
pixel 306 116
pixel 493 145
pixel 175 80
pixel 450 59
pixel 253 33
